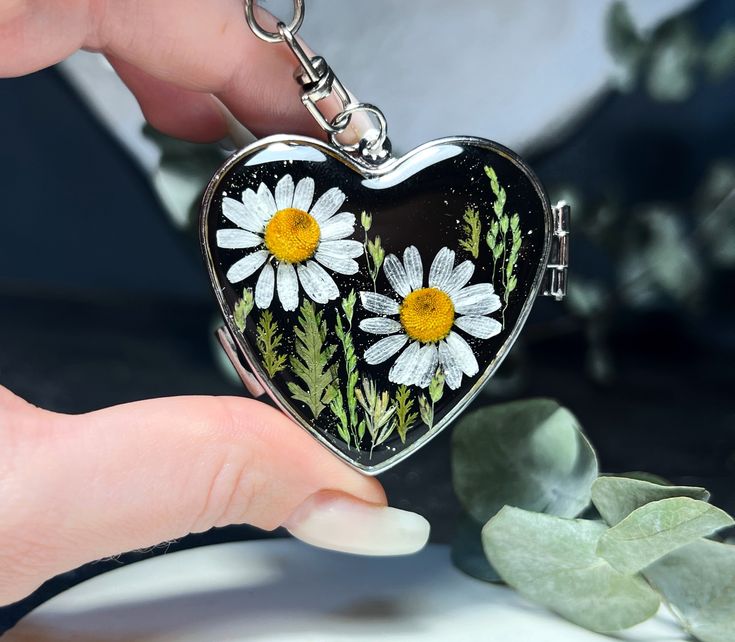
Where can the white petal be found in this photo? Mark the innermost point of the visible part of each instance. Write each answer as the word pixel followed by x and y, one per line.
pixel 476 300
pixel 450 367
pixel 380 325
pixel 284 192
pixel 288 286
pixel 428 360
pixel 414 267
pixel 254 205
pixel 303 194
pixel 264 287
pixel 328 204
pixel 441 268
pixel 241 215
pixel 267 202
pixel 317 284
pixel 337 227
pixel 378 303
pixel 393 269
pixel 463 354
pixel 233 239
pixel 480 327
pixel 402 371
pixel 338 255
pixel 243 268
pixel 460 276
pixel 345 248
pixel 337 264
pixel 384 349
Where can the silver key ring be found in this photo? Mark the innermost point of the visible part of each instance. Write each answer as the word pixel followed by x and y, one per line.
pixel 318 81
pixel 272 36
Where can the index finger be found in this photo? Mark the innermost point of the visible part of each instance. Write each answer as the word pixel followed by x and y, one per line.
pixel 196 46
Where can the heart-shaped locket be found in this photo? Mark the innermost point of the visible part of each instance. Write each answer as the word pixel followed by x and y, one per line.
pixel 373 303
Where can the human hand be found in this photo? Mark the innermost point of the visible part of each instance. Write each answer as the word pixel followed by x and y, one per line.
pixel 78 488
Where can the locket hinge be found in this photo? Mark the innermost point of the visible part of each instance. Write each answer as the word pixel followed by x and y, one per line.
pixel 555 280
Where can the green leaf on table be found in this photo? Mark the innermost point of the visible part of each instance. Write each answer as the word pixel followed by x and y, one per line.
pixel 656 529
pixel 467 552
pixel 642 475
pixel 553 561
pixel 530 454
pixel 698 582
pixel 616 497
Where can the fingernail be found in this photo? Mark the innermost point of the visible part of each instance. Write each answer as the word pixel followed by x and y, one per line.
pixel 344 523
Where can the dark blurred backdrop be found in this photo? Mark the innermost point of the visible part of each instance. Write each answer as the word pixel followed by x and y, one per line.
pixel 103 300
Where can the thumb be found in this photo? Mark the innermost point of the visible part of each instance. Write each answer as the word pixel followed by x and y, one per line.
pixel 78 488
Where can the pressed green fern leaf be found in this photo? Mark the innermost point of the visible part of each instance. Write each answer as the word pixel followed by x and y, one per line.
pixel 269 340
pixel 405 417
pixel 310 364
pixel 472 229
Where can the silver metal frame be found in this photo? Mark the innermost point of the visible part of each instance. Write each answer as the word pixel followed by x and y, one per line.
pixel 368 171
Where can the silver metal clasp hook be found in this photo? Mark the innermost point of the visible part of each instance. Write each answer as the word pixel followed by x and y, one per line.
pixel 318 81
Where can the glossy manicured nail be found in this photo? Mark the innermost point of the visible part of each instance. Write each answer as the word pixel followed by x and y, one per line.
pixel 343 523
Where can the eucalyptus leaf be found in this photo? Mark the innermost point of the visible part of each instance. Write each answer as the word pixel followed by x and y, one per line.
pixel 698 582
pixel 467 552
pixel 624 43
pixel 552 561
pixel 716 214
pixel 184 171
pixel 659 260
pixel 719 56
pixel 672 62
pixel 616 497
pixel 529 454
pixel 656 529
pixel 642 475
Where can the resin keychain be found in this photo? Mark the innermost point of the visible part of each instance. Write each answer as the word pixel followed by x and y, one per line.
pixel 372 296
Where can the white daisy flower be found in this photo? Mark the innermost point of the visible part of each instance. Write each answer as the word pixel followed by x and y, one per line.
pixel 428 317
pixel 292 240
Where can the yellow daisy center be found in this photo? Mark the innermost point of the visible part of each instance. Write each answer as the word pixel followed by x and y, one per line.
pixel 427 315
pixel 292 235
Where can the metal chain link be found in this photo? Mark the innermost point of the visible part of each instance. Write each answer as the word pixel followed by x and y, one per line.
pixel 318 81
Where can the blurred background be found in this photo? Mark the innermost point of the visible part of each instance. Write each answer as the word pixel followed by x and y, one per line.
pixel 625 109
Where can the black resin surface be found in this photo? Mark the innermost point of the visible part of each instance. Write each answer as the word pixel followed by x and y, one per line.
pixel 420 201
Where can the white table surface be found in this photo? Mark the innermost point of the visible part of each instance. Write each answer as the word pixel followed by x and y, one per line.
pixel 282 590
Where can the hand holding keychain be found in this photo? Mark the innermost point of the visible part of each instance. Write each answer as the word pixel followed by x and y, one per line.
pixel 372 296
pixel 83 487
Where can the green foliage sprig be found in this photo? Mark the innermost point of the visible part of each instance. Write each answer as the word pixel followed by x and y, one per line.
pixel 373 249
pixel 472 228
pixel 526 470
pixel 494 243
pixel 405 416
pixel 310 364
pixel 268 338
pixel 337 407
pixel 350 428
pixel 436 391
pixel 378 411
pixel 497 239
pixel 511 281
pixel 243 307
